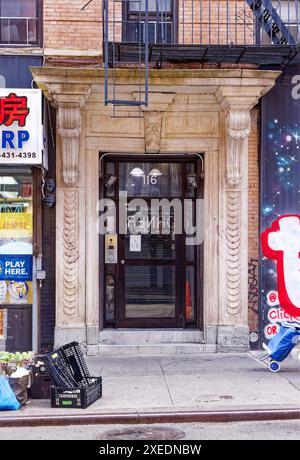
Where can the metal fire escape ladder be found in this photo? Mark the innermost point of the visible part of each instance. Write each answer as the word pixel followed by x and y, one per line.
pixel 109 43
pixel 271 22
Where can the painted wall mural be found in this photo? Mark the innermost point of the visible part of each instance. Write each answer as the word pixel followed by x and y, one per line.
pixel 253 291
pixel 280 204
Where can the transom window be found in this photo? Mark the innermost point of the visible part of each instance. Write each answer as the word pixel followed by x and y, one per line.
pixel 20 22
pixel 153 6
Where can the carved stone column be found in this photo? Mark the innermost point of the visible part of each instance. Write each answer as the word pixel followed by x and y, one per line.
pixel 233 329
pixel 70 257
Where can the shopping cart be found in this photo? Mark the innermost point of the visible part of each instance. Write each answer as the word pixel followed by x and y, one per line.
pixel 281 345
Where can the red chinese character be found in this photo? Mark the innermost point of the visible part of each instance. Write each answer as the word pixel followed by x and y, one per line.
pixel 13 108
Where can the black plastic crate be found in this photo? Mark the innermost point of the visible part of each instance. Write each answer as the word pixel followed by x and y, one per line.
pixel 77 397
pixel 59 370
pixel 74 357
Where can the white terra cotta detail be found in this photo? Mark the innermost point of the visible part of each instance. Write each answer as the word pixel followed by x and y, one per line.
pixel 71 252
pixel 69 129
pixel 153 125
pixel 237 124
pixel 69 120
pixel 233 247
pixel 238 128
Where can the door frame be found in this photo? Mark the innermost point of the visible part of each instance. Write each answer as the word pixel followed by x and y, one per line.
pixel 197 323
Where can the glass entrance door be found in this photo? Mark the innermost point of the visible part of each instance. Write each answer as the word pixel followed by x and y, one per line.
pixel 151 282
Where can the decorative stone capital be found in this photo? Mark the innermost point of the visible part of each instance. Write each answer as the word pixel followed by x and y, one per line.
pixel 236 103
pixel 69 101
pixel 69 129
pixel 237 125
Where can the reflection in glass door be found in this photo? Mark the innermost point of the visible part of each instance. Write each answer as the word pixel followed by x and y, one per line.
pixel 154 282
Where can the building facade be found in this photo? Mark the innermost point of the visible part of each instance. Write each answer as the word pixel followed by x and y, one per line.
pixel 157 120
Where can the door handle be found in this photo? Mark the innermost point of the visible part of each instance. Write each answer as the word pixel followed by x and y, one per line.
pixel 122 261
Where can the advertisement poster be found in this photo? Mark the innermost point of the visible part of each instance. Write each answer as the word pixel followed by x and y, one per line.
pixel 280 203
pixel 16 233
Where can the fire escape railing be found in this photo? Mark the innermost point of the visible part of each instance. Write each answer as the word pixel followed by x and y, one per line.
pixel 146 31
pixel 269 19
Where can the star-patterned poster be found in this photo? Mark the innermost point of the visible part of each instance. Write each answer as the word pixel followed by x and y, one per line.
pixel 279 183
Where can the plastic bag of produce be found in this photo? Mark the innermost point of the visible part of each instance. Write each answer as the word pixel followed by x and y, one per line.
pixel 8 400
pixel 19 386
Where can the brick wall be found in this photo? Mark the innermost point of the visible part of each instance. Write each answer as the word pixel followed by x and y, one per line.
pixel 67 27
pixel 49 234
pixel 253 220
pixel 212 22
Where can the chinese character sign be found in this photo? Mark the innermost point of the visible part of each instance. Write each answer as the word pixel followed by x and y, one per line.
pixel 13 109
pixel 21 136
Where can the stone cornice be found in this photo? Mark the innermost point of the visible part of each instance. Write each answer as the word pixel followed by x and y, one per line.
pixel 180 77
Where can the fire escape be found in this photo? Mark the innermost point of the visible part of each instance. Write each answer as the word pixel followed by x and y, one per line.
pixel 147 34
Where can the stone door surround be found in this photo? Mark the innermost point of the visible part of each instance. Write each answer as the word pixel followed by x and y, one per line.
pixel 190 111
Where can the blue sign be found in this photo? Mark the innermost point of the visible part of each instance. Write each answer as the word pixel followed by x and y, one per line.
pixel 16 268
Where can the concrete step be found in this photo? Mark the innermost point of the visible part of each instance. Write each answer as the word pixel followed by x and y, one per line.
pixel 149 336
pixel 150 349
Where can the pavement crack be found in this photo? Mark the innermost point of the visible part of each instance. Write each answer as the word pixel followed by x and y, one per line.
pixel 290 382
pixel 164 376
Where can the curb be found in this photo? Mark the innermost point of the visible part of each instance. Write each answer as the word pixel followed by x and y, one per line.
pixel 135 418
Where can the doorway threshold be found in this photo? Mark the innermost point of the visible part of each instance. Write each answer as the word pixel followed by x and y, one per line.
pixel 150 342
pixel 149 336
pixel 154 349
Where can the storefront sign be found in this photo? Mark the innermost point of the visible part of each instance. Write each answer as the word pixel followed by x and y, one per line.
pixel 21 134
pixel 16 267
pixel 280 192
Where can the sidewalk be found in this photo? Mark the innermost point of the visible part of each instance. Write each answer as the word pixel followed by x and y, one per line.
pixel 178 383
